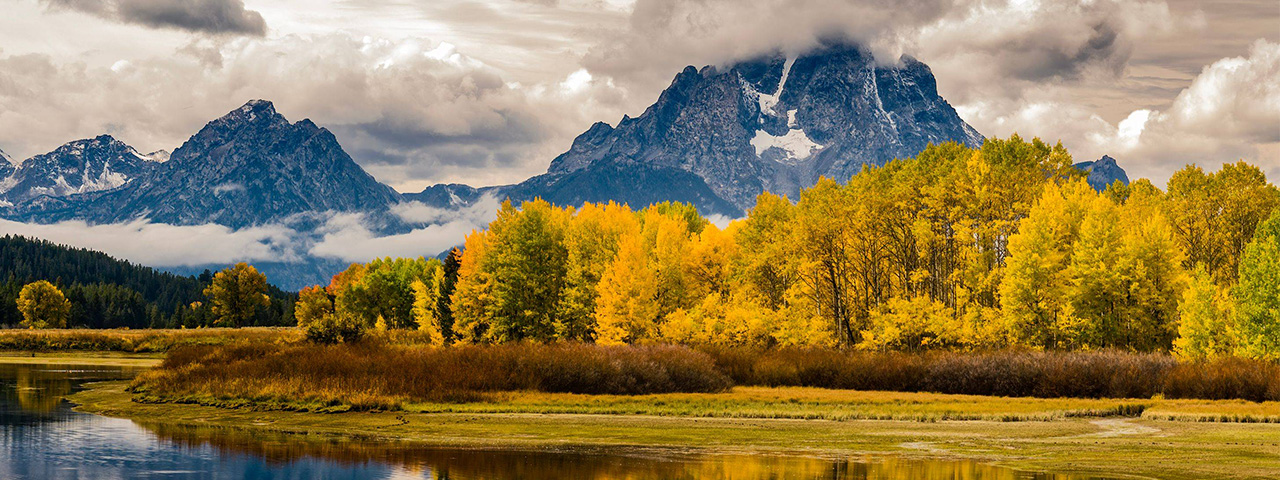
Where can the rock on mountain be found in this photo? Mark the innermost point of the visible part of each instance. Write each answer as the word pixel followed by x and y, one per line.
pixel 250 167
pixel 720 137
pixel 6 168
pixel 83 166
pixel 1103 172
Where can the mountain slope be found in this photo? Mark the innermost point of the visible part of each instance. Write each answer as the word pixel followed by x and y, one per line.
pixel 775 124
pixel 82 166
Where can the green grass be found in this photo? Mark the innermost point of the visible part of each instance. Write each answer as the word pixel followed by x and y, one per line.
pixel 797 403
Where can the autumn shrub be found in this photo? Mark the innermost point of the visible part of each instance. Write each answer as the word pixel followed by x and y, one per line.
pixel 1225 378
pixel 1094 374
pixel 375 374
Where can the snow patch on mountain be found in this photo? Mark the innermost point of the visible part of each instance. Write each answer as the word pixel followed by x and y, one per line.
pixel 158 156
pixel 768 101
pixel 795 144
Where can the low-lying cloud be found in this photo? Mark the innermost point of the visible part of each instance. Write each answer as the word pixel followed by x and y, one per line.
pixel 345 236
pixel 163 245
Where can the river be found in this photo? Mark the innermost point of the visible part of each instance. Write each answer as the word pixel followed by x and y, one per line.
pixel 42 437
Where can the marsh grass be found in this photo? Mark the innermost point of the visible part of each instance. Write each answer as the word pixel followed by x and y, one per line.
pixel 1099 374
pixel 393 373
pixel 376 375
pixel 138 341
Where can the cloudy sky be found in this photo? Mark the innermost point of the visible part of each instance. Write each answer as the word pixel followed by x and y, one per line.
pixel 489 91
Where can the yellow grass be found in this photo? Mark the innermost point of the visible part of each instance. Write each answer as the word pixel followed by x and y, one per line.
pixel 138 341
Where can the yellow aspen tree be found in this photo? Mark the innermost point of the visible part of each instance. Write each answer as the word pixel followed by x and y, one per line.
pixel 627 306
pixel 473 293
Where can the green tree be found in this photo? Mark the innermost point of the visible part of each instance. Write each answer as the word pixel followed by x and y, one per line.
pixel 380 293
pixel 1258 294
pixel 236 294
pixel 528 263
pixel 316 316
pixel 43 306
pixel 444 302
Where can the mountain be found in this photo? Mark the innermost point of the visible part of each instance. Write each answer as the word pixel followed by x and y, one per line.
pixel 250 167
pixel 82 166
pixel 1103 172
pixel 716 137
pixel 719 137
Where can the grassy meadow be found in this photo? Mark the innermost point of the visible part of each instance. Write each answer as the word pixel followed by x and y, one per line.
pixel 137 340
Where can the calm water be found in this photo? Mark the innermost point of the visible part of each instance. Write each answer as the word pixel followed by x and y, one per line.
pixel 41 438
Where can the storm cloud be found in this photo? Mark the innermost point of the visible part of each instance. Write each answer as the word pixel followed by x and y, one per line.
pixel 203 16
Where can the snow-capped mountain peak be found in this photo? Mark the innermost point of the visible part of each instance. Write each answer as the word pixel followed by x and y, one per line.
pixel 82 166
pixel 776 123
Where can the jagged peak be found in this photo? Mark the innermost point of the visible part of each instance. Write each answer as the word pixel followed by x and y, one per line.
pixel 77 147
pixel 259 105
pixel 158 156
pixel 253 111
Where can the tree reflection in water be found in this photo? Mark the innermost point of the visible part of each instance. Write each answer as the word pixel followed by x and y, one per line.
pixel 595 463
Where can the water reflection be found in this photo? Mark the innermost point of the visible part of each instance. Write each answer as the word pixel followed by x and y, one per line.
pixel 41 438
pixel 34 393
pixel 416 461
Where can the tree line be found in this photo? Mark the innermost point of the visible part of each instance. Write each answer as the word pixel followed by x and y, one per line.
pixel 958 248
pixel 103 292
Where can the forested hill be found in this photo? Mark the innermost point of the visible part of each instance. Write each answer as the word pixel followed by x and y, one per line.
pixel 107 293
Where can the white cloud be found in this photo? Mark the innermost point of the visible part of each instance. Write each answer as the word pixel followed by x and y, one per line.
pixel 480 212
pixel 345 236
pixel 411 111
pixel 1230 111
pixel 162 245
pixel 349 240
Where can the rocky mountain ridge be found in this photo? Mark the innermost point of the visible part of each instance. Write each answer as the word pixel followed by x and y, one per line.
pixel 82 166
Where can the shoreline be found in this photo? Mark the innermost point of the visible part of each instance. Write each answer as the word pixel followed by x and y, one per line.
pixel 92 358
pixel 1091 446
